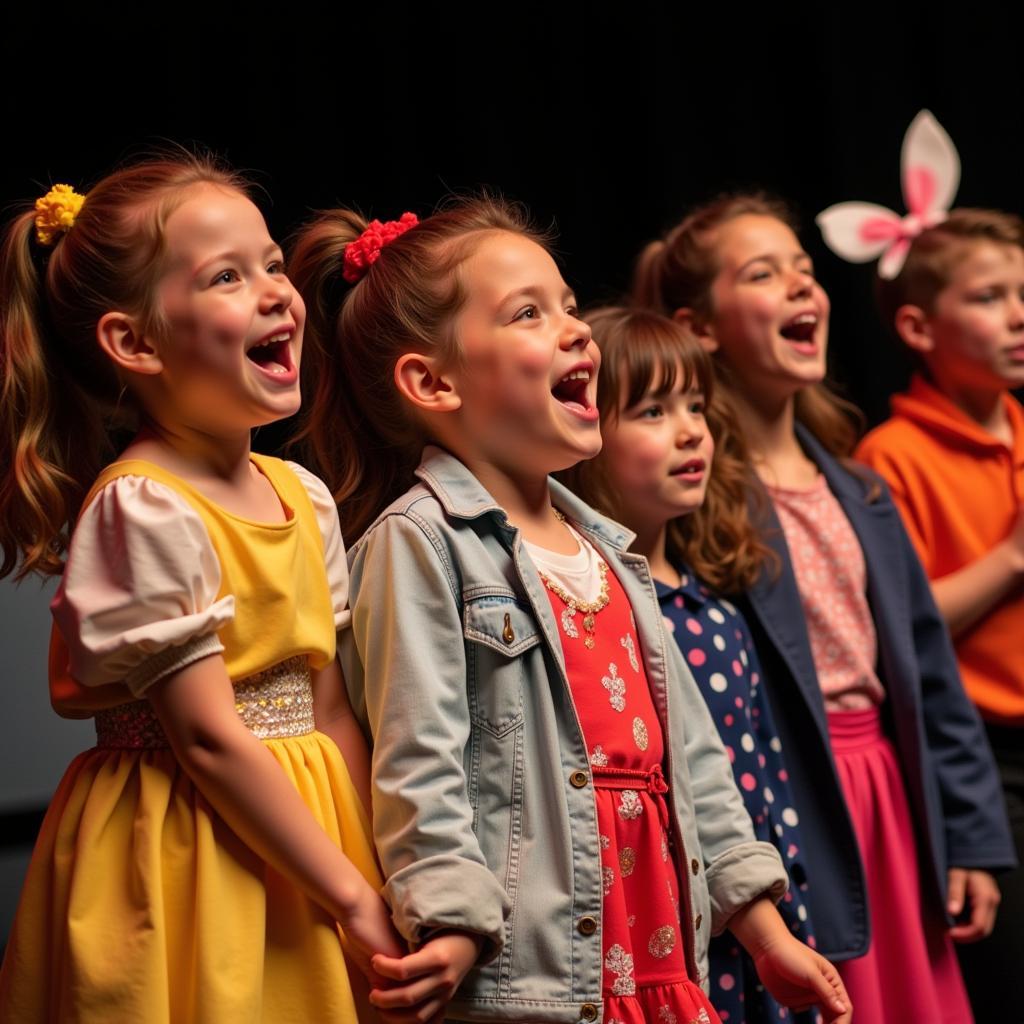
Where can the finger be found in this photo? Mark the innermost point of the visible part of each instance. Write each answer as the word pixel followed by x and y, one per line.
pixel 967 933
pixel 412 994
pixel 414 965
pixel 829 988
pixel 957 880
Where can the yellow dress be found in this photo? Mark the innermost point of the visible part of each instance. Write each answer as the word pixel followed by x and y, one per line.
pixel 141 904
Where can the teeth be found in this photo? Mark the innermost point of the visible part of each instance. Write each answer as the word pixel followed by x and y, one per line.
pixel 804 318
pixel 275 340
pixel 576 375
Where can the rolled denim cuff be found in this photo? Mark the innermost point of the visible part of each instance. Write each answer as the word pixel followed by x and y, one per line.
pixel 741 875
pixel 449 894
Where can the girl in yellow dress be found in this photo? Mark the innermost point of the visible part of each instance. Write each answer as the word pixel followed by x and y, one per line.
pixel 197 863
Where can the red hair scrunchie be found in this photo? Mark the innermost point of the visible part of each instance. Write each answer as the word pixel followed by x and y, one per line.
pixel 361 254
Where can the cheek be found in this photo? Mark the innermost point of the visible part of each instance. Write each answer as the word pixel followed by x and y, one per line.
pixel 632 456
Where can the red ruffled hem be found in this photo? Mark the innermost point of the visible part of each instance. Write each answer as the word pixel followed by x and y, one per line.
pixel 680 1003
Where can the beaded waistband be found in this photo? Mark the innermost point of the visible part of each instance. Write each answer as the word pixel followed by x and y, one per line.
pixel 273 705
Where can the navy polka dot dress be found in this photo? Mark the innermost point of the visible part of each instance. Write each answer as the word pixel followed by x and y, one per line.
pixel 715 641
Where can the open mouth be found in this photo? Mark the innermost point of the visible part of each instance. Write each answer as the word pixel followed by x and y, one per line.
pixel 800 330
pixel 692 470
pixel 571 392
pixel 273 355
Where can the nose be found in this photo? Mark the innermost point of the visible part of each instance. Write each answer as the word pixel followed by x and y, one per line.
pixel 690 430
pixel 278 293
pixel 575 333
pixel 800 283
pixel 1016 312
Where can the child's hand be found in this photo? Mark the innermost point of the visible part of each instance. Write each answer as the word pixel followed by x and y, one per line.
pixel 978 891
pixel 798 977
pixel 369 931
pixel 426 980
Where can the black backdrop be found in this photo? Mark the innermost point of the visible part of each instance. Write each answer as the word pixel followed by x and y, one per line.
pixel 608 124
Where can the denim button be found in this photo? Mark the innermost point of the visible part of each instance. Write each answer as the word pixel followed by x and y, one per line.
pixel 588 1011
pixel 696 924
pixel 587 925
pixel 578 779
pixel 694 865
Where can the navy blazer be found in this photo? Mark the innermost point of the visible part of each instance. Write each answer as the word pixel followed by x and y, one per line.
pixel 951 780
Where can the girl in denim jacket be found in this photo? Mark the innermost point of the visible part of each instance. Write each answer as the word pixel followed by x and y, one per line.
pixel 553 808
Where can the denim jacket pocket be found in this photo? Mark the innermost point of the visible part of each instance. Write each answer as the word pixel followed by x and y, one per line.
pixel 498 632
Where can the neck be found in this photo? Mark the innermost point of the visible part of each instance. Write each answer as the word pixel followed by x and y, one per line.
pixel 651 542
pixel 194 452
pixel 983 405
pixel 769 429
pixel 526 499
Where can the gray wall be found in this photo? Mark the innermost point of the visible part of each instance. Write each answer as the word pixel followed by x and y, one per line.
pixel 35 745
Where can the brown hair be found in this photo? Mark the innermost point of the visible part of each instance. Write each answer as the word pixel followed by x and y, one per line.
pixel 359 433
pixel 677 272
pixel 59 394
pixel 641 353
pixel 935 253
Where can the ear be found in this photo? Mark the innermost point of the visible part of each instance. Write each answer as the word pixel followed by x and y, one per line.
pixel 419 380
pixel 701 330
pixel 914 327
pixel 126 346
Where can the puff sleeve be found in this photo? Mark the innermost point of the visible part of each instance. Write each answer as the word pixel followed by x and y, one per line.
pixel 138 599
pixel 335 559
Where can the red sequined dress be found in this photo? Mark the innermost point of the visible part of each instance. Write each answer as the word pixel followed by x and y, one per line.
pixel 645 977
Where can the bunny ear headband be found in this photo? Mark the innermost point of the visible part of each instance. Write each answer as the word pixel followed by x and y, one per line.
pixel 930 169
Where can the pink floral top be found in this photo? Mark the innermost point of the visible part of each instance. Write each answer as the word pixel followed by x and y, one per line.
pixel 830 573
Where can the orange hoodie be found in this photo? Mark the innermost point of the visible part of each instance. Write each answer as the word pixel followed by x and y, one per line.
pixel 959 491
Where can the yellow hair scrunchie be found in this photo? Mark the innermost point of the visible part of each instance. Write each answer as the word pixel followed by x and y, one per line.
pixel 56 213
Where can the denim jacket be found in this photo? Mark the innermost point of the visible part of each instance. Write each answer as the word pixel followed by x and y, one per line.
pixel 484 813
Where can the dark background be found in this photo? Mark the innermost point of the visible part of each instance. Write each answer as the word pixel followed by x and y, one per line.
pixel 609 125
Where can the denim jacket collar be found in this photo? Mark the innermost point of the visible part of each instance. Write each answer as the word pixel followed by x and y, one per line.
pixel 464 497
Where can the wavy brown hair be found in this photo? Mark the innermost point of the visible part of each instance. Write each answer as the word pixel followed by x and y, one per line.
pixel 677 272
pixel 59 394
pixel 359 433
pixel 646 354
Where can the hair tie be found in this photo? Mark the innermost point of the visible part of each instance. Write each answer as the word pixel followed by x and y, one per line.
pixel 56 213
pixel 930 166
pixel 361 254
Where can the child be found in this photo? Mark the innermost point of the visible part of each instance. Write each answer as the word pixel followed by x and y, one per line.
pixel 850 641
pixel 659 475
pixel 552 805
pixel 185 869
pixel 953 457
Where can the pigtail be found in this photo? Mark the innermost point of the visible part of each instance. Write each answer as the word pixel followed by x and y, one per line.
pixel 48 426
pixel 648 289
pixel 361 465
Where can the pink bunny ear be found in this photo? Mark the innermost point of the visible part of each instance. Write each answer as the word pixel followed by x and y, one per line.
pixel 859 232
pixel 931 169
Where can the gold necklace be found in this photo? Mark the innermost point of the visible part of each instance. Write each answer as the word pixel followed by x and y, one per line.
pixel 572 605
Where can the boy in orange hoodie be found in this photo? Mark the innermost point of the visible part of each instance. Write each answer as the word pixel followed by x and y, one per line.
pixel 953 456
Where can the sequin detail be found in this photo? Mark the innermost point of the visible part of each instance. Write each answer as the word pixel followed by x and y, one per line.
pixel 274 704
pixel 607 879
pixel 616 687
pixel 666 1016
pixel 662 942
pixel 627 643
pixel 640 733
pixel 627 861
pixel 599 758
pixel 620 963
pixel 605 842
pixel 629 805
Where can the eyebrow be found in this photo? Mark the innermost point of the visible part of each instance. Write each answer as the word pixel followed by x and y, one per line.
pixel 533 290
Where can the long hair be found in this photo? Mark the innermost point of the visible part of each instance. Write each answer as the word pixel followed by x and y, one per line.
pixel 677 272
pixel 642 353
pixel 59 393
pixel 358 432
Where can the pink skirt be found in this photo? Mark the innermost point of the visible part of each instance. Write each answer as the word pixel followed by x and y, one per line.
pixel 910 972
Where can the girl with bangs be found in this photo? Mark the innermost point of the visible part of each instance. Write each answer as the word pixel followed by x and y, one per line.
pixel 672 470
